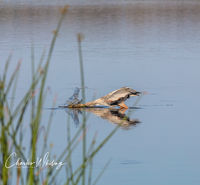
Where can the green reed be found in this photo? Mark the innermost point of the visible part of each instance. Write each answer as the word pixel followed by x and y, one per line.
pixel 11 124
pixel 79 38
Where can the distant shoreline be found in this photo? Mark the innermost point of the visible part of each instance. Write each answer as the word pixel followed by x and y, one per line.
pixel 93 4
pixel 138 4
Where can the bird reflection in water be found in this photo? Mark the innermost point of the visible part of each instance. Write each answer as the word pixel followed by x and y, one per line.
pixel 115 116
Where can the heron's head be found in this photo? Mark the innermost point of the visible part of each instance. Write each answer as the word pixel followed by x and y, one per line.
pixel 131 92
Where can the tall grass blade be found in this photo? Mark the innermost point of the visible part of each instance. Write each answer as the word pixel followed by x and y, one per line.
pixel 80 38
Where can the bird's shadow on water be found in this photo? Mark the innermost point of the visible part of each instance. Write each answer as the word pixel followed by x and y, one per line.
pixel 112 115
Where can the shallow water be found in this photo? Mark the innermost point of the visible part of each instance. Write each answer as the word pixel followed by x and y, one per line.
pixel 150 47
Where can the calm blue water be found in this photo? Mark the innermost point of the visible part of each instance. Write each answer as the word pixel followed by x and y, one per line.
pixel 150 47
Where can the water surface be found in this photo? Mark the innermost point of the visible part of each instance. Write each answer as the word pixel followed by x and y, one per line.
pixel 150 47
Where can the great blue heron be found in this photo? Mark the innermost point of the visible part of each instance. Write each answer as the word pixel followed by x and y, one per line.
pixel 115 98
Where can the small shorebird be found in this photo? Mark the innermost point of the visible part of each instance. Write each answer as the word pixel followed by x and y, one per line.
pixel 115 98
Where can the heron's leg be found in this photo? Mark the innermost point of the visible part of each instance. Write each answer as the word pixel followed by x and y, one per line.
pixel 122 105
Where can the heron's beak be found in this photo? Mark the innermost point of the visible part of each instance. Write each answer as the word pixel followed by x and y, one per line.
pixel 136 94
